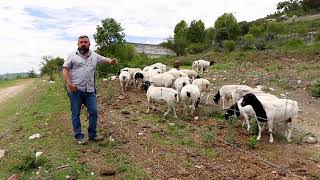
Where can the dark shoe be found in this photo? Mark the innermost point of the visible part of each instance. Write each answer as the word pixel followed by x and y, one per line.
pixel 82 141
pixel 97 139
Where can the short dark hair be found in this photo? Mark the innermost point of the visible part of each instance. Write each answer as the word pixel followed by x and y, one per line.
pixel 83 36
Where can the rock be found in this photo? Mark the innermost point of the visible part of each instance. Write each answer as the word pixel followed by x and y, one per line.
pixel 282 95
pixel 92 173
pixel 140 133
pixel 196 118
pixel 105 79
pixel 34 136
pixel 183 173
pixel 287 93
pixel 14 177
pixel 125 112
pixel 111 139
pixel 171 124
pixel 310 140
pixel 173 178
pixel 272 89
pixel 51 82
pixel 107 172
pixel 113 78
pixel 199 166
pixel 299 82
pixel 2 152
pixel 38 154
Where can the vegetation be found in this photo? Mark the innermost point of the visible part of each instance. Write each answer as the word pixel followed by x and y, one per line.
pixel 50 66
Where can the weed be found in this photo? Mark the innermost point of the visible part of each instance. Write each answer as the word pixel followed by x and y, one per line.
pixel 252 142
pixel 209 152
pixel 315 89
pixel 30 162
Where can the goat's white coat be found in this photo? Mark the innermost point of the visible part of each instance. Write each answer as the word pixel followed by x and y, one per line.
pixel 203 85
pixel 124 78
pixel 169 95
pixel 194 95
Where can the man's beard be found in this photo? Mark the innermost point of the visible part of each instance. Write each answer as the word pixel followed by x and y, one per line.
pixel 83 49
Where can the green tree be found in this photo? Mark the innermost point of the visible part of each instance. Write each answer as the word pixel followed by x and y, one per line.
pixel 229 45
pixel 256 31
pixel 109 33
pixel 249 41
pixel 226 27
pixel 196 32
pixel 180 38
pixel 244 27
pixel 209 36
pixel 32 74
pixel 50 66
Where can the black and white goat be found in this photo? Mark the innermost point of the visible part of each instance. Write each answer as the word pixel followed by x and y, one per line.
pixel 272 110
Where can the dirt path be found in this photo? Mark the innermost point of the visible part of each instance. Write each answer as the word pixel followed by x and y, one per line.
pixel 11 92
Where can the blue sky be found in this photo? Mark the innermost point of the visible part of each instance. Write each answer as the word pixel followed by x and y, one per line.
pixel 32 29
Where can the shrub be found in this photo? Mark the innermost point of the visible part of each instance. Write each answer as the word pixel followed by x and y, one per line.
pixel 248 41
pixel 294 43
pixel 229 45
pixel 260 45
pixel 315 89
pixel 196 48
pixel 252 142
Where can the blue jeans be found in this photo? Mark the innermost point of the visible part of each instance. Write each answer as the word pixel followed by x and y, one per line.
pixel 89 99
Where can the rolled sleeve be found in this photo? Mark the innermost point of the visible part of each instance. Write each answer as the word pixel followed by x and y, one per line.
pixel 101 59
pixel 68 63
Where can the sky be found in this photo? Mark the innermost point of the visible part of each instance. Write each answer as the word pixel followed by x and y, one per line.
pixel 32 29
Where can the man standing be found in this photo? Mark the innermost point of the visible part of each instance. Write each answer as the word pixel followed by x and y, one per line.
pixel 78 72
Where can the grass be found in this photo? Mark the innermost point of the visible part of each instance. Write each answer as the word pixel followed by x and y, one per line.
pixel 9 83
pixel 47 113
pixel 209 152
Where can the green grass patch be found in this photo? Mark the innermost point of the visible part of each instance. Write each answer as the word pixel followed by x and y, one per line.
pixel 209 152
pixel 9 83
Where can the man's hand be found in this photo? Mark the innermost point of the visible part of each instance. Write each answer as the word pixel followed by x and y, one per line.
pixel 113 61
pixel 72 87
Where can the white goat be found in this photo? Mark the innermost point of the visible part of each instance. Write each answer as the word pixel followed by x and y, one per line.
pixel 272 110
pixel 132 72
pixel 203 85
pixel 180 82
pixel 190 94
pixel 195 65
pixel 156 94
pixel 160 66
pixel 124 78
pixel 176 73
pixel 191 73
pixel 204 65
pixel 162 80
pixel 233 92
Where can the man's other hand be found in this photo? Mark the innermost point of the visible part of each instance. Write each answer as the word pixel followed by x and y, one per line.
pixel 72 87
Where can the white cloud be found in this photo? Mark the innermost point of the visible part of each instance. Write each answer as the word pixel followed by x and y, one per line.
pixel 33 28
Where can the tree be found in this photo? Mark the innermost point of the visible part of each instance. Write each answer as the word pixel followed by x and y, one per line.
pixel 226 27
pixel 50 66
pixel 209 36
pixel 180 40
pixel 244 27
pixel 32 74
pixel 256 30
pixel 196 32
pixel 109 33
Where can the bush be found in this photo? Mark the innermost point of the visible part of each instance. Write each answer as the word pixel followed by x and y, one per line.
pixel 294 43
pixel 318 36
pixel 260 45
pixel 248 42
pixel 252 142
pixel 196 48
pixel 229 45
pixel 315 89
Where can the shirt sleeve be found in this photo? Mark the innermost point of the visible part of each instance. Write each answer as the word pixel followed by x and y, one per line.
pixel 101 59
pixel 68 63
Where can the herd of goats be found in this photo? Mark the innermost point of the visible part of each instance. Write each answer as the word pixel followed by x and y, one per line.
pixel 185 85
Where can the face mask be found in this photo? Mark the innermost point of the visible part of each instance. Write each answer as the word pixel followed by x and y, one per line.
pixel 83 49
